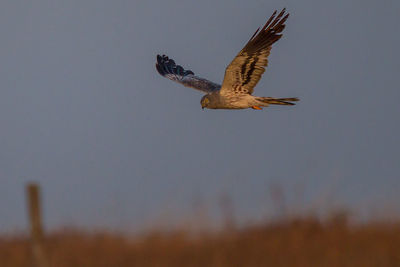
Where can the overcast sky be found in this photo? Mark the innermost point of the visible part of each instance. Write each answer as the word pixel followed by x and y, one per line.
pixel 113 144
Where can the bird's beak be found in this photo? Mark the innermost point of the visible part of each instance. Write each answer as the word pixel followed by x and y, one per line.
pixel 202 107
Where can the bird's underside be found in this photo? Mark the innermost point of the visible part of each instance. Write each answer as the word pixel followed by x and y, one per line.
pixel 241 75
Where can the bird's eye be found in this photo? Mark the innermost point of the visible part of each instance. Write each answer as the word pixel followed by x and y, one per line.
pixel 206 101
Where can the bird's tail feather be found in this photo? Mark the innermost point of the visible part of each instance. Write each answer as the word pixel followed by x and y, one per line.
pixel 278 101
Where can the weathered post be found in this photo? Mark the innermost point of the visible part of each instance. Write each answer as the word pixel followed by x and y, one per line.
pixel 228 212
pixel 35 221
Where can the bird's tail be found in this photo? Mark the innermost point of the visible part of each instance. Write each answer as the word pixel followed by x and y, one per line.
pixel 278 101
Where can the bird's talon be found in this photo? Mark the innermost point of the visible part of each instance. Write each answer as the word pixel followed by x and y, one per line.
pixel 256 107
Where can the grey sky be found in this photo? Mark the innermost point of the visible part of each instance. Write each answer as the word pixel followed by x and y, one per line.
pixel 83 111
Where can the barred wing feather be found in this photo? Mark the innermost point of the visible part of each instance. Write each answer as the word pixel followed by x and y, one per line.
pixel 167 68
pixel 246 69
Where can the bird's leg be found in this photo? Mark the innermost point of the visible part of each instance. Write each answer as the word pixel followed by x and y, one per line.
pixel 256 107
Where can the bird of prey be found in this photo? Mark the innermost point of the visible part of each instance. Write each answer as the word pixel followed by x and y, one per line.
pixel 241 75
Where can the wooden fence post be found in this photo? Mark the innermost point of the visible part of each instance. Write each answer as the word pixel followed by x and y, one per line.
pixel 228 212
pixel 35 221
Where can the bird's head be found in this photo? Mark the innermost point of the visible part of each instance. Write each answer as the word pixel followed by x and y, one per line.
pixel 205 101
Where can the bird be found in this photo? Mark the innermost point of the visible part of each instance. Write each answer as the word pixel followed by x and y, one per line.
pixel 241 75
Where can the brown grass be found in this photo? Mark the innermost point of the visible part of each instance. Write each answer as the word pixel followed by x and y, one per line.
pixel 303 242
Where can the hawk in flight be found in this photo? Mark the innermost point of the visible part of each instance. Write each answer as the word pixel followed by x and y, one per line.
pixel 241 75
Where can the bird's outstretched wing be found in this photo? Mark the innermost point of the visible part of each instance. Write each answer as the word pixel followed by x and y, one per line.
pixel 245 70
pixel 167 68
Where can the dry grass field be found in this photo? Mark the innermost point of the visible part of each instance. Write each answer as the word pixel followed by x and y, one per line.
pixel 301 242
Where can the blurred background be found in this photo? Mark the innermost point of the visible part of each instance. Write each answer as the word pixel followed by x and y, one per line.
pixel 115 146
pixel 131 169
